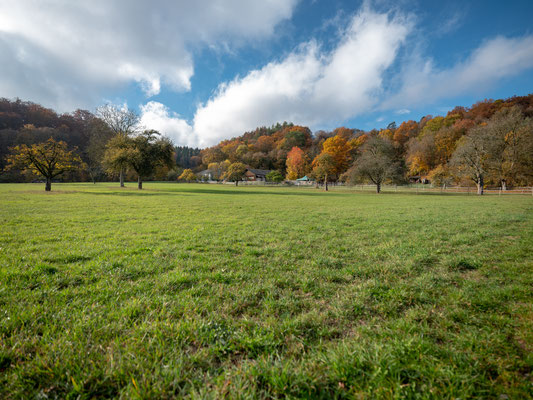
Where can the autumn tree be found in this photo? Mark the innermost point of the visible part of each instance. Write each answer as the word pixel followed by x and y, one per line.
pixel 324 167
pixel 187 176
pixel 218 168
pixel 421 156
pixel 512 146
pixel 212 155
pixel 339 149
pixel 405 131
pixel 440 176
pixel 297 165
pixel 345 133
pixel 235 173
pixel 265 143
pixel 122 121
pixel 376 163
pixel 49 159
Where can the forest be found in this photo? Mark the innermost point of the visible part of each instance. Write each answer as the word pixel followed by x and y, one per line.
pixel 487 144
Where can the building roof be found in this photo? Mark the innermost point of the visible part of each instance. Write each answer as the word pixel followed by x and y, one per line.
pixel 259 172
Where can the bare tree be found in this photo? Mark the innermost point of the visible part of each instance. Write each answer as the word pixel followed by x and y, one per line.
pixel 122 121
pixel 376 163
pixel 500 149
pixel 511 136
pixel 472 156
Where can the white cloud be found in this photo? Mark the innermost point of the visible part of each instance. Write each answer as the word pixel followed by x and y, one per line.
pixel 157 116
pixel 402 111
pixel 310 86
pixel 423 82
pixel 315 87
pixel 68 53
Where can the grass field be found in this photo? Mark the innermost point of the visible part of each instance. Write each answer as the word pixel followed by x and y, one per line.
pixel 210 291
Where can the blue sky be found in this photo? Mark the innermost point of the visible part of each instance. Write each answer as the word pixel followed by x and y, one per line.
pixel 209 70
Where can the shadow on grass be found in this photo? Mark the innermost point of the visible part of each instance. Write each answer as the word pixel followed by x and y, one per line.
pixel 236 192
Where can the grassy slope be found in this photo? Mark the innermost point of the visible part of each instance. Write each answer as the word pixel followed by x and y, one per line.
pixel 260 292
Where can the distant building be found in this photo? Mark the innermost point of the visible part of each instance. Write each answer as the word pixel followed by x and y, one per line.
pixel 418 179
pixel 256 174
pixel 206 174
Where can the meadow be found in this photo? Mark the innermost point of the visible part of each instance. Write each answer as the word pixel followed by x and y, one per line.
pixel 211 291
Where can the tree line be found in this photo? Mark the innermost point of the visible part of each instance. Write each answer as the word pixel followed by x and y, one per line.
pixel 490 143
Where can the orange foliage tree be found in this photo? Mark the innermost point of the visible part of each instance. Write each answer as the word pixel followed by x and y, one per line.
pixel 297 165
pixel 339 149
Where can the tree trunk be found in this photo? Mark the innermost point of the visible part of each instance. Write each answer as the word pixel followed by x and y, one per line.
pixel 236 182
pixel 479 184
pixel 378 188
pixel 139 183
pixel 326 183
pixel 48 186
pixel 504 184
pixel 121 177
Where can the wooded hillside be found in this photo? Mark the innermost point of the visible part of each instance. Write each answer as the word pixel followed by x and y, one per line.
pixel 498 134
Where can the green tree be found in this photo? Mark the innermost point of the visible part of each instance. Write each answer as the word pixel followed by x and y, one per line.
pixel 149 151
pixel 235 173
pixel 118 153
pixel 123 122
pixel 274 176
pixel 48 159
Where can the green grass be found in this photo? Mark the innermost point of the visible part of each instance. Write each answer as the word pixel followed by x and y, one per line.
pixel 207 291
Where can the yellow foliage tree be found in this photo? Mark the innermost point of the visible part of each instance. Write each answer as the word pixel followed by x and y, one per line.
pixel 48 159
pixel 339 149
pixel 187 175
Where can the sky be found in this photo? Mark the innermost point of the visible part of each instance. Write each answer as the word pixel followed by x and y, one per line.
pixel 207 70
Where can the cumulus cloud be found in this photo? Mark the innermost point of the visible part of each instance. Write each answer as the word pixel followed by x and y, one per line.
pixel 316 87
pixel 67 53
pixel 423 82
pixel 155 115
pixel 309 86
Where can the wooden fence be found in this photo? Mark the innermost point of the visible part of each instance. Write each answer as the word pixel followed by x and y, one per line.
pixel 411 188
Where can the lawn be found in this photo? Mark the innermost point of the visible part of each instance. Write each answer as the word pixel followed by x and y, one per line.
pixel 207 291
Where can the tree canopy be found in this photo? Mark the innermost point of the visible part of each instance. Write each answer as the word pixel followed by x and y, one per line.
pixel 48 159
pixel 423 149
